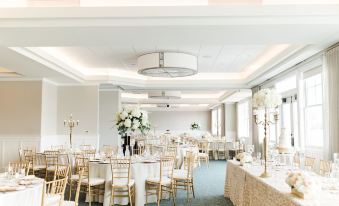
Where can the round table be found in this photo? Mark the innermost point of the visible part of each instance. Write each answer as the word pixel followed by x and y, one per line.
pixel 30 196
pixel 140 171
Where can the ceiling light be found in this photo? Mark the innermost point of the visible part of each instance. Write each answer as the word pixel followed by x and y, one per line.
pixel 167 64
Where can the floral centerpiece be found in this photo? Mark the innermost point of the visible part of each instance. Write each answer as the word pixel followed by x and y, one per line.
pixel 266 98
pixel 244 157
pixel 131 119
pixel 195 126
pixel 300 183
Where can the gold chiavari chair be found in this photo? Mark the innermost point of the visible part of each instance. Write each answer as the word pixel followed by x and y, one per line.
pixel 62 171
pixel 325 168
pixel 122 184
pixel 296 160
pixel 77 194
pixel 108 150
pixel 221 149
pixel 89 153
pixel 183 178
pixel 87 147
pixel 53 192
pixel 309 163
pixel 91 185
pixel 21 154
pixel 162 183
pixel 20 167
pixel 203 152
pixel 51 160
pixel 35 168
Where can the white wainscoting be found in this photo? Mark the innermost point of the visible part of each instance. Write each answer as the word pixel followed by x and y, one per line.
pixel 9 148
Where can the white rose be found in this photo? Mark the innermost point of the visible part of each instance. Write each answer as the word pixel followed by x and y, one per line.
pixel 128 123
pixel 123 115
pixel 136 113
pixel 136 124
pixel 144 121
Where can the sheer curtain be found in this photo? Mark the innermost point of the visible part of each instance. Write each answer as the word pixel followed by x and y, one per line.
pixel 331 103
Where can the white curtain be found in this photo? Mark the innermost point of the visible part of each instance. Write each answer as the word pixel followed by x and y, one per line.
pixel 331 103
pixel 257 138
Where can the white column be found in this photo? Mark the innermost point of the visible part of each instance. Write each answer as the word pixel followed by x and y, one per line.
pixel 109 105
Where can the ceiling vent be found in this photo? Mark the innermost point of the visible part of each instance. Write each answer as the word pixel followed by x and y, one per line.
pixel 167 64
pixel 164 95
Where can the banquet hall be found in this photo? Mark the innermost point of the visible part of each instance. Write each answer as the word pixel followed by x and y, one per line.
pixel 169 102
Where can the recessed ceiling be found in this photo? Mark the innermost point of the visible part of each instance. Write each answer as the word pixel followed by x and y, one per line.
pixel 211 58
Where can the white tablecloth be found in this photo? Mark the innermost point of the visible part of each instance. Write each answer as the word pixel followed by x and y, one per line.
pixel 244 187
pixel 30 196
pixel 140 172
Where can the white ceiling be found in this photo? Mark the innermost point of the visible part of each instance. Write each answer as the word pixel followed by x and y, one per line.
pixel 211 58
pixel 237 46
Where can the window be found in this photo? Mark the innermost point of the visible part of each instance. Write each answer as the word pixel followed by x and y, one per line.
pixel 289 117
pixel 313 111
pixel 243 120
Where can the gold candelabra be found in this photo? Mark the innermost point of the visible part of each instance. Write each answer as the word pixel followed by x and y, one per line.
pixel 70 123
pixel 266 123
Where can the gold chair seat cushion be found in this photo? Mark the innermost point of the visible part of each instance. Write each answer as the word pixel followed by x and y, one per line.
pixel 68 203
pixel 39 167
pixel 74 177
pixel 156 180
pixel 53 168
pixel 123 182
pixel 93 181
pixel 180 174
pixel 52 199
pixel 202 155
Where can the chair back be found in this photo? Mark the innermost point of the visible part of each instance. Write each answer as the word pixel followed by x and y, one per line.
pixel 296 160
pixel 19 167
pixel 325 168
pixel 62 171
pixel 203 147
pixel 166 167
pixel 121 171
pixel 89 153
pixel 82 164
pixel 52 188
pixel 51 157
pixel 309 163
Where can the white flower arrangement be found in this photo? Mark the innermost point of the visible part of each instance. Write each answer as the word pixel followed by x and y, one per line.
pixel 132 119
pixel 195 126
pixel 299 182
pixel 244 157
pixel 266 98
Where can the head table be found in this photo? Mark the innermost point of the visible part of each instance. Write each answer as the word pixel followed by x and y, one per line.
pixel 244 187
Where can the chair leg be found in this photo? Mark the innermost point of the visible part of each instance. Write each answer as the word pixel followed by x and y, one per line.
pixel 70 190
pixel 192 188
pixel 89 195
pixel 187 189
pixel 130 196
pixel 112 197
pixel 159 195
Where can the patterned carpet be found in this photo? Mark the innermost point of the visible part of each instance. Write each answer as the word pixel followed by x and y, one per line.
pixel 209 187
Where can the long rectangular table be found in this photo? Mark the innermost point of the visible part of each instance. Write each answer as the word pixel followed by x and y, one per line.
pixel 244 187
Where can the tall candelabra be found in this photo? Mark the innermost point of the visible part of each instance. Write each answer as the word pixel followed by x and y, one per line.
pixel 70 123
pixel 266 123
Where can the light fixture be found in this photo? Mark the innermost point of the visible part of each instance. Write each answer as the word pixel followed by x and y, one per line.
pixel 167 64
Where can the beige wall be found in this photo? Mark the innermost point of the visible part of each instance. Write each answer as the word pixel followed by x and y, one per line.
pixel 20 109
pixel 179 121
pixel 82 102
pixel 230 121
pixel 109 105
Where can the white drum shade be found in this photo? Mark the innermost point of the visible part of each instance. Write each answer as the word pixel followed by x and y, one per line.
pixel 167 64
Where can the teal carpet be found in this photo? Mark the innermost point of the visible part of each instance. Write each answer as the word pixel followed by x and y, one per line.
pixel 208 184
